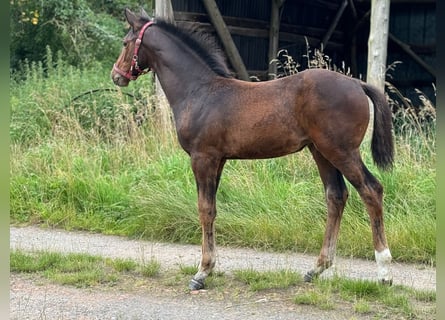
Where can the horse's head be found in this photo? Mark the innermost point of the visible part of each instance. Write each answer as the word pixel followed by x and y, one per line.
pixel 131 64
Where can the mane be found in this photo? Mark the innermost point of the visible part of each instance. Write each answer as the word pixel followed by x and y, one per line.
pixel 202 43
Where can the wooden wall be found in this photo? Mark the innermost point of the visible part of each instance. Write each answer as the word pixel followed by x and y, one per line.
pixel 412 29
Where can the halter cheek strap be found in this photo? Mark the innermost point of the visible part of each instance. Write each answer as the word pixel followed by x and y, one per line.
pixel 134 61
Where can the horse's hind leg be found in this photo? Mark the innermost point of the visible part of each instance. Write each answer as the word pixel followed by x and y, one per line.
pixel 336 195
pixel 371 193
pixel 207 173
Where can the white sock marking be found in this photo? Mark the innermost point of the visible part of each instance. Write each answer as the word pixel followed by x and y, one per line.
pixel 383 259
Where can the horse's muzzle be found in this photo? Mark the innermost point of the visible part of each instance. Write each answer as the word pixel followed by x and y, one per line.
pixel 119 80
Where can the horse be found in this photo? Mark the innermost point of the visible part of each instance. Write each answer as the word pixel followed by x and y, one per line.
pixel 218 117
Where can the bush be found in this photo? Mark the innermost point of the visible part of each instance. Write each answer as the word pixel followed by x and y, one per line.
pixel 84 30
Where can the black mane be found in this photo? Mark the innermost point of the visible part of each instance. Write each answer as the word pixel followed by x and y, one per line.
pixel 202 43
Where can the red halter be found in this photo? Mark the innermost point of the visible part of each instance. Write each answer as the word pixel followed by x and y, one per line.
pixel 134 62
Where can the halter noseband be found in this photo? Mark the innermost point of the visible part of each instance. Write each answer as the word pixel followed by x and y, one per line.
pixel 134 62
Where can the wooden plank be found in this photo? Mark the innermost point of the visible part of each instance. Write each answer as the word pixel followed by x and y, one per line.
pixel 417 22
pixel 412 54
pixel 428 49
pixel 226 39
pixel 353 9
pixel 333 25
pixel 257 33
pixel 403 1
pixel 256 27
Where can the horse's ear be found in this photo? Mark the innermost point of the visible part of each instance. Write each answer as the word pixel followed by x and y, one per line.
pixel 144 14
pixel 131 18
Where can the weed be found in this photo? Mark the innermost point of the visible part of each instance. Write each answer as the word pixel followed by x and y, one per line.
pixel 123 265
pixel 315 298
pixel 151 268
pixel 267 279
pixel 188 270
pixel 362 306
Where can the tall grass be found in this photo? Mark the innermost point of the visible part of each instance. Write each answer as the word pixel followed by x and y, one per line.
pixel 105 162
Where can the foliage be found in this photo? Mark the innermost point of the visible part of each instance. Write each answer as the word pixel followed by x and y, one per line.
pixel 51 90
pixel 84 30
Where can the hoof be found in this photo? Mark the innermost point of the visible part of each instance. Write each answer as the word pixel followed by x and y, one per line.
pixel 196 284
pixel 308 277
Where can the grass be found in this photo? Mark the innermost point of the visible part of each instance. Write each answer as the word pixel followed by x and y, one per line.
pixel 109 162
pixel 268 279
pixel 314 298
pixel 365 296
pixel 335 294
pixel 79 270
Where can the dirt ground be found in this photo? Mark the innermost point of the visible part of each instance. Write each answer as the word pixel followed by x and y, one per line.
pixel 35 298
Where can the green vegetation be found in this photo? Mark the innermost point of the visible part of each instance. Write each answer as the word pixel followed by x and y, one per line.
pixel 268 279
pixel 336 294
pixel 86 155
pixel 80 270
pixel 364 293
pixel 85 30
pixel 107 161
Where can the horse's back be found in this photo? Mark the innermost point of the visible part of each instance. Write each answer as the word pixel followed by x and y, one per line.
pixel 274 118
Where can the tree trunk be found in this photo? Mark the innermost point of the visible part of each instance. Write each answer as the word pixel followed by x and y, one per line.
pixel 164 9
pixel 377 49
pixel 377 43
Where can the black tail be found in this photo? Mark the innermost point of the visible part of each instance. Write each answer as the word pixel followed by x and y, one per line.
pixel 382 144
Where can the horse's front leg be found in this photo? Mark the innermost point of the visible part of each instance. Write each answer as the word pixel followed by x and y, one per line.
pixel 207 171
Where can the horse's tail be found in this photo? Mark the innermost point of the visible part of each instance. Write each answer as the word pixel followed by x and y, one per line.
pixel 382 144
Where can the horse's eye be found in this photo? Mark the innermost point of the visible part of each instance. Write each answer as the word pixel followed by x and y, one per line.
pixel 124 44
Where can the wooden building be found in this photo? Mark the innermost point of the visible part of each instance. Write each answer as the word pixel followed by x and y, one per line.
pixel 338 28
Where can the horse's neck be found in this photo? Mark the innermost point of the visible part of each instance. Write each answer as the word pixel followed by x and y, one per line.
pixel 177 86
pixel 181 73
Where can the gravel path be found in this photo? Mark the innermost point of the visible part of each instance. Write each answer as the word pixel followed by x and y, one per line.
pixel 31 300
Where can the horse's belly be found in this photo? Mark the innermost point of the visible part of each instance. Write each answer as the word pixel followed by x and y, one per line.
pixel 265 147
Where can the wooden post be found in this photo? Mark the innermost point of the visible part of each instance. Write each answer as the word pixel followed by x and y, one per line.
pixel 377 49
pixel 377 43
pixel 355 29
pixel 164 9
pixel 333 25
pixel 226 39
pixel 412 54
pixel 274 31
